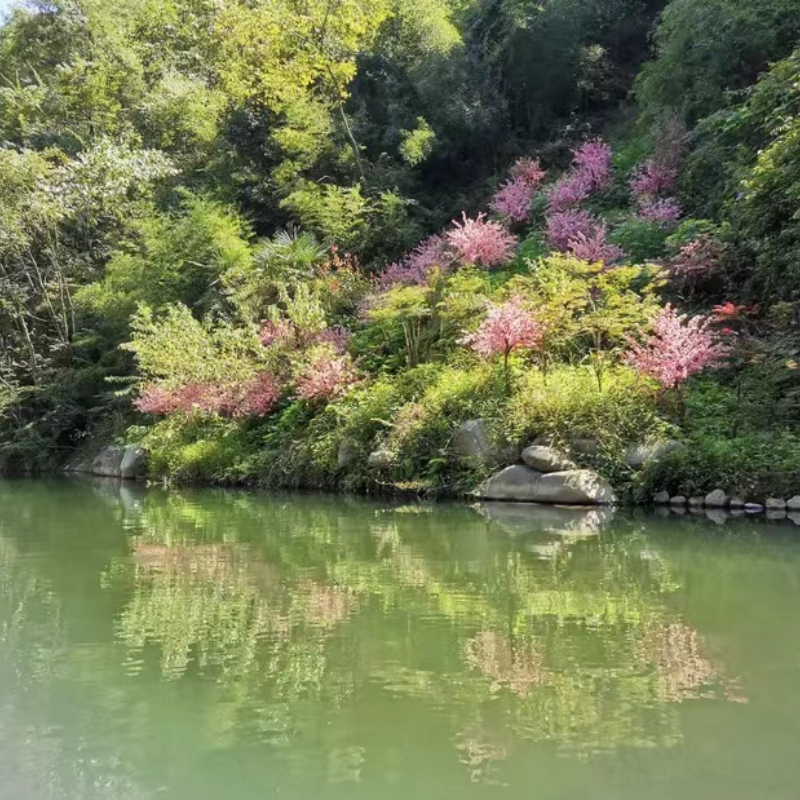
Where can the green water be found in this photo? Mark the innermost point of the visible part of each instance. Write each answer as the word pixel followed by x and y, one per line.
pixel 191 645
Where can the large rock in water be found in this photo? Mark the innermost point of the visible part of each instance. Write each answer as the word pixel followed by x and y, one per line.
pixel 546 459
pixel 580 487
pixel 133 464
pixel 108 462
pixel 472 444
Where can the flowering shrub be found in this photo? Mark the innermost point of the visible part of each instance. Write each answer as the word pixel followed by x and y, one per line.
pixel 277 332
pixel 652 178
pixel 325 377
pixel 569 191
pixel 563 226
pixel 594 248
pixel 254 398
pixel 592 160
pixel 679 347
pixel 513 200
pixel 508 327
pixel 529 171
pixel 413 269
pixel 662 212
pixel 697 259
pixel 337 336
pixel 480 241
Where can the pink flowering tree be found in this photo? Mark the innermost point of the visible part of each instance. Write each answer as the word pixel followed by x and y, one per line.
pixel 326 376
pixel 696 260
pixel 507 328
pixel 653 178
pixel 415 267
pixel 482 242
pixel 564 226
pixel 594 247
pixel 591 172
pixel 679 347
pixel 665 212
pixel 513 199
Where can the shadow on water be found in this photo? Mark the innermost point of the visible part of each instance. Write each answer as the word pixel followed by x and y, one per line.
pixel 205 644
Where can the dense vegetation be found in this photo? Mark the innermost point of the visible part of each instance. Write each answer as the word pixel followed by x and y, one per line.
pixel 268 238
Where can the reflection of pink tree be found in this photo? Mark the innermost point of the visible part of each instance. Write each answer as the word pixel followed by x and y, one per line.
pixel 494 656
pixel 507 328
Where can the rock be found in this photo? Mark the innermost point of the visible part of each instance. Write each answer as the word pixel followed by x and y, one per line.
pixel 736 503
pixel 586 446
pixel 108 462
pixel 793 504
pixel 753 508
pixel 472 444
pixel 678 500
pixel 526 519
pixel 546 459
pixel 716 499
pixel 640 454
pixel 347 453
pixel 661 499
pixel 696 502
pixel 133 464
pixel 775 504
pixel 380 459
pixel 525 485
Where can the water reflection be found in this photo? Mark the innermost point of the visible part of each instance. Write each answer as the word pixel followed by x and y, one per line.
pixel 212 622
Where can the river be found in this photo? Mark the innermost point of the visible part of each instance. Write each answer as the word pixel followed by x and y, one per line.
pixel 206 644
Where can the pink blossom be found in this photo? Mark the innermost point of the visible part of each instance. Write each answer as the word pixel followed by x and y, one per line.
pixel 513 200
pixel 569 191
pixel 562 226
pixel 326 378
pixel 507 327
pixel 654 177
pixel 528 171
pixel 256 398
pixel 592 160
pixel 680 347
pixel 415 267
pixel 594 248
pixel 698 259
pixel 661 212
pixel 480 241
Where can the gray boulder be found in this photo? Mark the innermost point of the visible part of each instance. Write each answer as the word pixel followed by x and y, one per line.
pixel 640 454
pixel 661 499
pixel 133 464
pixel 347 453
pixel 678 500
pixel 547 459
pixel 108 463
pixel 473 445
pixel 586 446
pixel 793 504
pixel 736 503
pixel 775 504
pixel 716 499
pixel 696 502
pixel 526 485
pixel 380 459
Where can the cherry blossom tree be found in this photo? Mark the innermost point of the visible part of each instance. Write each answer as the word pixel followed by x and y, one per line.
pixel 653 178
pixel 508 327
pixel 665 212
pixel 569 191
pixel 513 199
pixel 563 226
pixel 594 248
pixel 482 242
pixel 679 347
pixel 415 267
pixel 593 161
